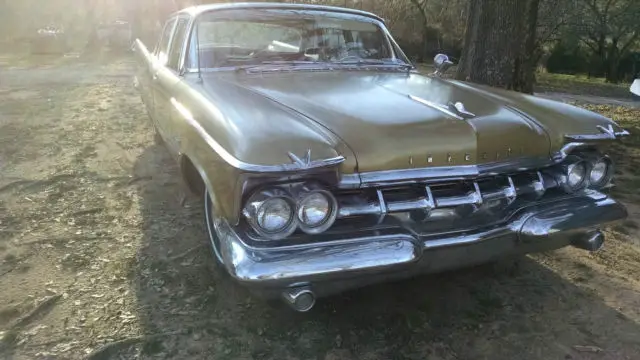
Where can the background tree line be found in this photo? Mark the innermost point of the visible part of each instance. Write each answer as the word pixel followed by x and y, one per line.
pixel 600 38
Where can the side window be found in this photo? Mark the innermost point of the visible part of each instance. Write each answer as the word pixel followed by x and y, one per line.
pixel 163 45
pixel 177 44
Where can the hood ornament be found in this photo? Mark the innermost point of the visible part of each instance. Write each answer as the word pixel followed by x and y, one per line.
pixel 459 109
pixel 456 110
pixel 302 162
pixel 607 133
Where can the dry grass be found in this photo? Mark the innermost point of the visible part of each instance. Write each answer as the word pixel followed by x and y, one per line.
pixel 581 85
pixel 90 216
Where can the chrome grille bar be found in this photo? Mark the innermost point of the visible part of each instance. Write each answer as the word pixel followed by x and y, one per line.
pixel 382 205
pixel 508 192
pixel 427 203
pixel 472 198
pixel 538 187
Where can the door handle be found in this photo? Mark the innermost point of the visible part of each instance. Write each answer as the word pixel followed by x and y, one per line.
pixel 155 76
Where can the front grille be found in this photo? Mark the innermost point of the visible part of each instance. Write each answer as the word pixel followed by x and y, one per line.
pixel 447 204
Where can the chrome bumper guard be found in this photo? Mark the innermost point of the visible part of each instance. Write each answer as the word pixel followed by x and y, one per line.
pixel 361 259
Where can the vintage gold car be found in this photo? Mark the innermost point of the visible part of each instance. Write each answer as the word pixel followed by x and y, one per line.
pixel 327 162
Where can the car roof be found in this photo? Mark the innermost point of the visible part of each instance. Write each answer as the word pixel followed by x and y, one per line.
pixel 199 9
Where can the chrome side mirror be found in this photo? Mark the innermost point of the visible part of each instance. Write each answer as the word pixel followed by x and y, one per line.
pixel 442 63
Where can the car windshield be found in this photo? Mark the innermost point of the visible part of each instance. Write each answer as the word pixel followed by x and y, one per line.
pixel 237 38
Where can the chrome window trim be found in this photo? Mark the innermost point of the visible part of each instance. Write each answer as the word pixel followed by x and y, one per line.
pixel 157 51
pixel 201 9
pixel 185 45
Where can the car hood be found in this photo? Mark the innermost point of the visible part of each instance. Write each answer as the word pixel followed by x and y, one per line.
pixel 387 129
pixel 385 121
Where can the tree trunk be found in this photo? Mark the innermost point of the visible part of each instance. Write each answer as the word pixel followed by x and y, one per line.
pixel 500 44
pixel 613 60
pixel 425 42
pixel 612 72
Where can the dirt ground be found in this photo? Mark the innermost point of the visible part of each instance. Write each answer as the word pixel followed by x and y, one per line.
pixel 103 256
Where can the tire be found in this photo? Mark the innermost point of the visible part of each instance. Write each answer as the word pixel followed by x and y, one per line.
pixel 210 226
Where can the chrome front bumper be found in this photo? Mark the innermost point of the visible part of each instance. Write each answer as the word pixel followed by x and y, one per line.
pixel 363 259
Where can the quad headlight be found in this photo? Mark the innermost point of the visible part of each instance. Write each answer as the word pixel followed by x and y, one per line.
pixel 275 213
pixel 271 213
pixel 578 173
pixel 573 174
pixel 601 172
pixel 317 211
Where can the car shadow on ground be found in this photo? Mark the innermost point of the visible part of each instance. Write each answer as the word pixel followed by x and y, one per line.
pixel 527 312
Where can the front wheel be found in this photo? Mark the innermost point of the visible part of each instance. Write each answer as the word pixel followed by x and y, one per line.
pixel 209 218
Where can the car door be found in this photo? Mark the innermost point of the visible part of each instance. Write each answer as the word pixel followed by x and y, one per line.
pixel 160 59
pixel 167 78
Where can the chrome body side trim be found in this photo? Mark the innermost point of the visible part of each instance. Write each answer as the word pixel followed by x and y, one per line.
pixel 296 165
pixel 359 258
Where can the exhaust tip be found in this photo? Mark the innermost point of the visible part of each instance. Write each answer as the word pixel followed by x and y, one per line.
pixel 300 299
pixel 591 242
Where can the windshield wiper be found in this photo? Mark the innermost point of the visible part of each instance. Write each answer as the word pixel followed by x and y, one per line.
pixel 291 62
pixel 361 62
pixel 365 62
pixel 324 64
pixel 280 62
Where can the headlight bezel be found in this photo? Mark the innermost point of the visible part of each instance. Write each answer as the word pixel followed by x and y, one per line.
pixel 589 159
pixel 565 170
pixel 255 204
pixel 609 172
pixel 294 195
pixel 328 220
